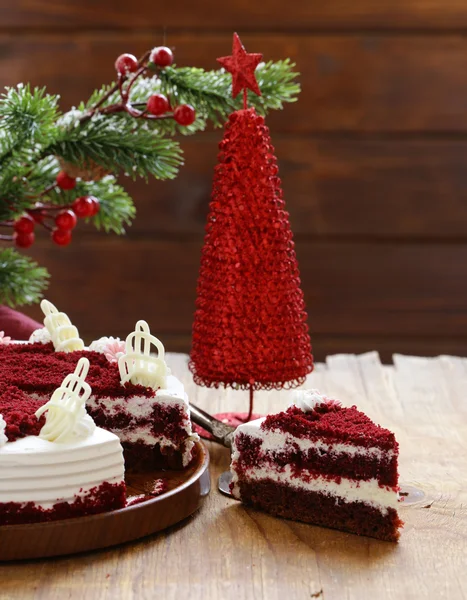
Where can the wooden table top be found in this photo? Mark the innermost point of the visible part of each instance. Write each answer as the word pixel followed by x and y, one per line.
pixel 227 551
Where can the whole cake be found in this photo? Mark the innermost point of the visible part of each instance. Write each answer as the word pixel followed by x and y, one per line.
pixel 54 462
pixel 133 394
pixel 320 463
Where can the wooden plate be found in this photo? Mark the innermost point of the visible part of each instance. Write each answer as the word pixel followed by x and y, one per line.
pixel 186 492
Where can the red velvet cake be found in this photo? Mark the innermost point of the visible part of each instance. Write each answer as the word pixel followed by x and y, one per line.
pixel 320 463
pixel 153 425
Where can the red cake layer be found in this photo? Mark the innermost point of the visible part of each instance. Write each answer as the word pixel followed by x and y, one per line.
pixel 103 498
pixel 18 411
pixel 329 465
pixel 321 509
pixel 332 423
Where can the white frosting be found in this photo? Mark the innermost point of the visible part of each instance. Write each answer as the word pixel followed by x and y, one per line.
pixel 64 335
pixel 307 400
pixel 39 471
pixel 3 437
pixel 274 441
pixel 40 336
pixel 67 420
pixel 347 490
pixel 138 365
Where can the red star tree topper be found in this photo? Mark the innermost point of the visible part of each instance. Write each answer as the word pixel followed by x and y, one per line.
pixel 250 326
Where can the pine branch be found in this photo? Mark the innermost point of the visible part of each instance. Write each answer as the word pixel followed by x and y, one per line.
pixel 27 116
pixel 117 143
pixel 22 281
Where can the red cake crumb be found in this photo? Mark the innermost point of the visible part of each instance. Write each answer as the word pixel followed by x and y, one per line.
pixel 37 368
pixel 18 411
pixel 334 423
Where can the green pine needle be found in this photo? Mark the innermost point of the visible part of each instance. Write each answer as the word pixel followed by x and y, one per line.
pixel 22 281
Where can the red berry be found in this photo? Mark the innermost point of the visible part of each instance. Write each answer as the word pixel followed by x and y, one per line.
pixel 66 220
pixel 61 237
pixel 65 182
pixel 162 56
pixel 24 240
pixel 184 114
pixel 158 104
pixel 95 205
pixel 126 63
pixel 24 224
pixel 83 206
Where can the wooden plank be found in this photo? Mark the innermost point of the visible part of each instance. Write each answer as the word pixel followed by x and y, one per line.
pixel 365 83
pixel 358 289
pixel 371 188
pixel 228 551
pixel 240 15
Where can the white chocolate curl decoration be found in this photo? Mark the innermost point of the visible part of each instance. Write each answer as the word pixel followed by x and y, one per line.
pixel 137 365
pixel 66 418
pixel 65 336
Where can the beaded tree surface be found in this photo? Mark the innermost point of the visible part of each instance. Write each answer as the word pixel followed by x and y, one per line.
pixel 250 326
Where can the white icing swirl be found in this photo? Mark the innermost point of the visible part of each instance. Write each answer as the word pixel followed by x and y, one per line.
pixel 138 365
pixel 3 437
pixel 40 336
pixel 307 400
pixel 67 420
pixel 64 335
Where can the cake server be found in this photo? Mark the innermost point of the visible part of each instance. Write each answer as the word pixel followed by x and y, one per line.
pixel 222 433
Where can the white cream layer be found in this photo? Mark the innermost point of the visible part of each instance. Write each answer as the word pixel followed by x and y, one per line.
pixel 275 441
pixel 35 470
pixel 348 490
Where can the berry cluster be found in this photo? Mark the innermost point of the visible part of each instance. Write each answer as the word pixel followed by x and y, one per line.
pixel 157 105
pixel 64 218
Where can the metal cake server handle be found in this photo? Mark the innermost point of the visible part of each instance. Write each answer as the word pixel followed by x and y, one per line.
pixel 221 432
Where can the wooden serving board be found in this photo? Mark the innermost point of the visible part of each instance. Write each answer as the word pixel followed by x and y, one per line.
pixel 186 491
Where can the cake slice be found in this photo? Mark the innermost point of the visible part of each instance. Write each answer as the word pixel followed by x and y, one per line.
pixel 54 462
pixel 320 463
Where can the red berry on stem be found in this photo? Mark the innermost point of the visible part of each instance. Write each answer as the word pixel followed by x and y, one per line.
pixel 158 104
pixel 24 224
pixel 126 63
pixel 162 56
pixel 95 205
pixel 65 182
pixel 83 206
pixel 24 240
pixel 66 220
pixel 184 114
pixel 61 237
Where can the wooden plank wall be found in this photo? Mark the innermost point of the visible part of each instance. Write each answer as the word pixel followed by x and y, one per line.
pixel 373 160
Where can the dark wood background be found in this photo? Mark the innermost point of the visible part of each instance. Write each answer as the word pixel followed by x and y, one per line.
pixel 373 160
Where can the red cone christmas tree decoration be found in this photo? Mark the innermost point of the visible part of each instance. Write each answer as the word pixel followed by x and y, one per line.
pixel 250 326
